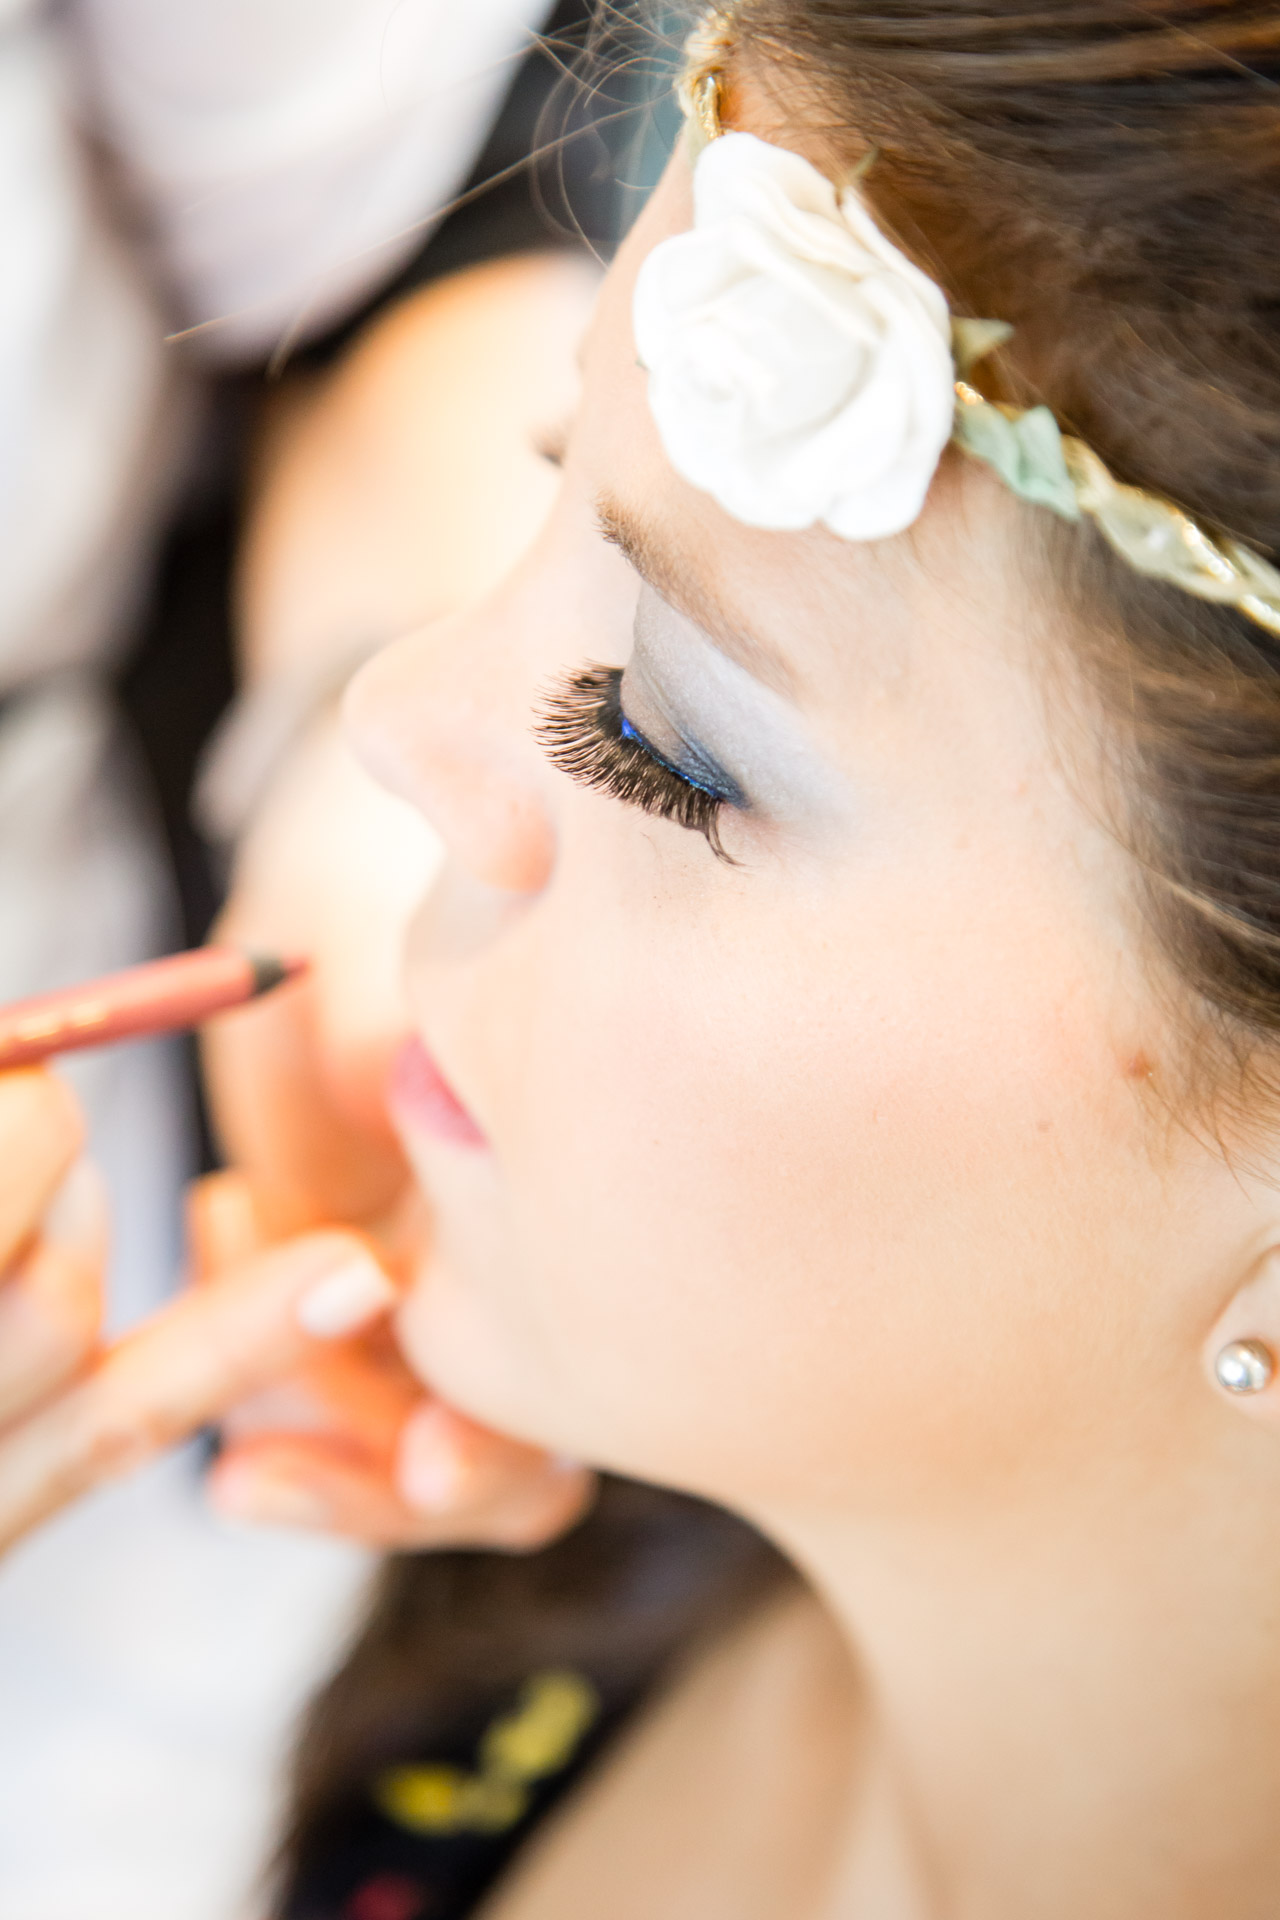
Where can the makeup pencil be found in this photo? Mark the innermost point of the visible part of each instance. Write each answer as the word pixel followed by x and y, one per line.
pixel 161 996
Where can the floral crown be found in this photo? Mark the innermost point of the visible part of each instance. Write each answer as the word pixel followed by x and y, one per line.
pixel 803 370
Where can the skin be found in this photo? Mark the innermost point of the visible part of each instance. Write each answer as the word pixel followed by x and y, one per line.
pixel 838 1184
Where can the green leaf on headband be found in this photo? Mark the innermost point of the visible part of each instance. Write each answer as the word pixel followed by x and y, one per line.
pixel 1024 449
pixel 973 340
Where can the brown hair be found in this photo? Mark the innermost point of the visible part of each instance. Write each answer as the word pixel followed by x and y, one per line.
pixel 1107 180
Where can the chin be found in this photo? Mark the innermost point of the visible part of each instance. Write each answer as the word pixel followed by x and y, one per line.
pixel 459 1353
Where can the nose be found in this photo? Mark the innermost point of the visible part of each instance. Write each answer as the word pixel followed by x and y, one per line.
pixel 438 719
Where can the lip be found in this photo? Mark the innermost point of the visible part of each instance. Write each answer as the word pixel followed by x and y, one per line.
pixel 421 1098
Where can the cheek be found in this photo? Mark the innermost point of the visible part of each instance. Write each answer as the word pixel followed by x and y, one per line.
pixel 788 1189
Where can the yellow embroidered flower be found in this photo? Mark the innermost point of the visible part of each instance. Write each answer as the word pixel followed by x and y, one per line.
pixel 538 1738
pixel 553 1713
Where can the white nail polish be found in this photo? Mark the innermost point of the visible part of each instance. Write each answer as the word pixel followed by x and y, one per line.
pixel 428 1471
pixel 264 1501
pixel 345 1300
pixel 430 1486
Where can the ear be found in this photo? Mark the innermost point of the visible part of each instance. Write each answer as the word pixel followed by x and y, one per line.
pixel 1242 1354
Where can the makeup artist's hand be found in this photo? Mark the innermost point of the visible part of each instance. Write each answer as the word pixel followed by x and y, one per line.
pixel 75 1412
pixel 349 1442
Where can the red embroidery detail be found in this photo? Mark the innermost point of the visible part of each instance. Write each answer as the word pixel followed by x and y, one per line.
pixel 390 1896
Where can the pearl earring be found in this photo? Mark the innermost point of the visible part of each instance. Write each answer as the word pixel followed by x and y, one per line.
pixel 1245 1366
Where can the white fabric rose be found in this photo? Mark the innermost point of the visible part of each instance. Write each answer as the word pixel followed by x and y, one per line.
pixel 800 366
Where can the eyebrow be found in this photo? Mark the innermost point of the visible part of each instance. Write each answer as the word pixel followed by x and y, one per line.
pixel 668 574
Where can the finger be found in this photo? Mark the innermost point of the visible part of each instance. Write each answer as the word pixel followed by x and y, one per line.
pixel 41 1133
pixel 215 1345
pixel 51 1308
pixel 523 1514
pixel 300 1481
pixel 312 1482
pixel 360 1399
pixel 224 1226
pixel 355 1391
pixel 447 1463
pixel 465 1482
pixel 231 1217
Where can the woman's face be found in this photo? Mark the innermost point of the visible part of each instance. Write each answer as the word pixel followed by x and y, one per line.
pixel 830 1172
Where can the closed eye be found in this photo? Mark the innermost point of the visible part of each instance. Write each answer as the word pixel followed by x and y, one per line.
pixel 584 732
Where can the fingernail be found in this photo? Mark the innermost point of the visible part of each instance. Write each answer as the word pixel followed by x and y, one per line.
pixel 345 1299
pixel 430 1472
pixel 269 1502
pixel 78 1215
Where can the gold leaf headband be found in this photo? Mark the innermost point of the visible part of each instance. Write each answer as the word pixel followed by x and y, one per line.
pixel 1027 449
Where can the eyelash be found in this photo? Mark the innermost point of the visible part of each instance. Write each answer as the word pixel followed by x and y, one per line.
pixel 585 733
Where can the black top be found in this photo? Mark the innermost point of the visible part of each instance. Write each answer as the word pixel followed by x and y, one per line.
pixel 431 1837
pixel 483 1686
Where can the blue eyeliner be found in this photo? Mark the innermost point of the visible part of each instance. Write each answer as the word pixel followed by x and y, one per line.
pixel 704 775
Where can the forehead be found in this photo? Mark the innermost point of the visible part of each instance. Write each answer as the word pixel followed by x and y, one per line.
pixel 824 617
